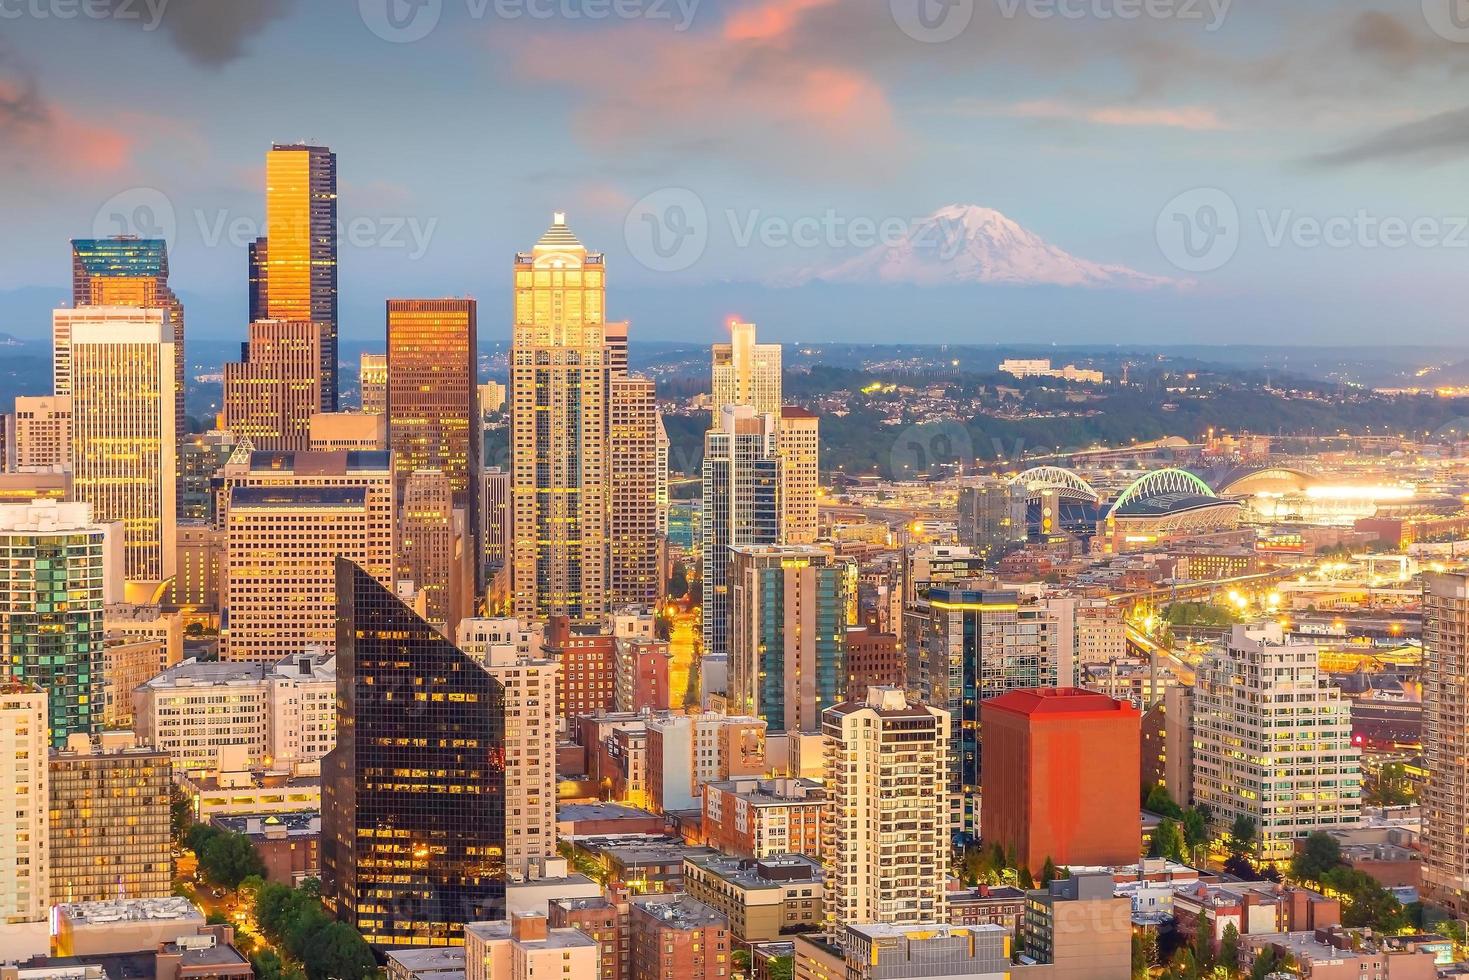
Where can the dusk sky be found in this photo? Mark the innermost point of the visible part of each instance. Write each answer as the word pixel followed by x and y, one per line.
pixel 783 152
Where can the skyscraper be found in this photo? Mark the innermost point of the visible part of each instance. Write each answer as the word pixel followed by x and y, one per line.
pixel 51 609
pixel 42 431
pixel 433 391
pixel 617 349
pixel 788 634
pixel 121 375
pixel 747 373
pixel 372 379
pixel 293 272
pixel 742 476
pixel 271 394
pixel 558 430
pixel 992 517
pixel 635 578
pixel 799 442
pixel 887 843
pixel 128 271
pixel 413 795
pixel 1445 739
pixel 25 869
pixel 433 556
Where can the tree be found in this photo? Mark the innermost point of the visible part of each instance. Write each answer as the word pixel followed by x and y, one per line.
pixel 338 951
pixel 230 858
pixel 1183 965
pixel 1318 855
pixel 781 968
pixel 1167 842
pixel 180 814
pixel 197 836
pixel 1048 872
pixel 1203 944
pixel 1364 901
pixel 1266 963
pixel 1144 953
pixel 1161 802
pixel 1241 840
pixel 1228 957
pixel 216 918
pixel 1195 832
pixel 1027 881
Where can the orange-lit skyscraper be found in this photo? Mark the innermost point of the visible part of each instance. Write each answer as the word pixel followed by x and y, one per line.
pixel 433 392
pixel 293 271
pixel 558 430
pixel 634 575
pixel 270 396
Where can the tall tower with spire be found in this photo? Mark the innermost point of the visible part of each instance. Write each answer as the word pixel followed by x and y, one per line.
pixel 559 378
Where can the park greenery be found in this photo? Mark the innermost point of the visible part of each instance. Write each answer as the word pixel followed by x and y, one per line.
pixel 295 923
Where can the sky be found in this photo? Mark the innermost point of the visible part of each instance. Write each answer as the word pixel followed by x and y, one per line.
pixel 1168 171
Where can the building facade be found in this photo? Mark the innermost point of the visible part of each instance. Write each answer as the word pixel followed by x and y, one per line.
pixel 635 574
pixel 1445 739
pixel 746 373
pixel 25 865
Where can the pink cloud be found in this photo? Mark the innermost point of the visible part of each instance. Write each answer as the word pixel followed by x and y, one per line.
pixel 770 20
pixel 1198 118
pixel 48 138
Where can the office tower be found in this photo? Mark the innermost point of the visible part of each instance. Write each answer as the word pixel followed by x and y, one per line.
pixel 634 576
pixel 1273 740
pixel 271 393
pixel 687 751
pixel 24 488
pixel 747 373
pixel 558 430
pixel 887 843
pixel 617 349
pixel 294 271
pixel 680 937
pixel 992 518
pixel 129 271
pixel 742 477
pixel 640 674
pixel 525 947
pixel 201 455
pixel 372 380
pixel 257 256
pixel 372 470
pixel 799 442
pixel 530 754
pixel 121 375
pixel 42 432
pixel 200 567
pixel 111 833
pixel 1445 740
pixel 426 537
pixel 495 515
pixel 349 431
pixel 1051 759
pixel 413 795
pixel 491 399
pixel 25 869
pixel 976 644
pixel 51 609
pixel 433 390
pixel 788 634
pixel 874 660
pixel 664 448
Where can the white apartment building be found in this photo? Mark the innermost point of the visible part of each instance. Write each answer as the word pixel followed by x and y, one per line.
pixel 25 879
pixel 1273 740
pixel 530 754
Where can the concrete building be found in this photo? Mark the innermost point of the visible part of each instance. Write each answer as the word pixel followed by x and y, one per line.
pixel 1445 740
pixel 1339 954
pixel 888 841
pixel 605 921
pixel 1050 777
pixel 200 572
pixel 1080 928
pixel 524 947
pixel 675 937
pixel 798 438
pixel 372 379
pixel 746 373
pixel 437 557
pixel 434 963
pixel 547 881
pixel 1273 740
pixel 347 432
pixel 635 573
pixel 42 432
pixel 992 520
pixel 127 925
pixel 1253 907
pixel 687 751
pixel 588 670
pixel 787 608
pixel 500 637
pixel 110 828
pixel 764 899
pixel 288 842
pixel 495 514
pixel 25 847
pixel 757 818
pixel 272 392
pixel 874 660
pixel 923 951
pixel 52 600
pixel 529 684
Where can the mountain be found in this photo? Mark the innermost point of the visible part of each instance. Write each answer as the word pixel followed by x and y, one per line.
pixel 963 244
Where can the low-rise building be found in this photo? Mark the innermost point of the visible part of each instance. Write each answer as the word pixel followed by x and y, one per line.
pixel 756 818
pixel 1080 928
pixel 765 899
pixel 988 905
pixel 439 963
pixel 122 925
pixel 1254 908
pixel 257 791
pixel 1336 954
pixel 524 947
pixel 605 921
pixel 675 937
pixel 921 951
pixel 288 842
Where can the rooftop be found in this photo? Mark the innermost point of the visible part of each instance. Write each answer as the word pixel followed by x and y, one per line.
pixel 435 961
pixel 499 931
pixel 679 911
pixel 775 871
pixel 1058 701
pixel 128 910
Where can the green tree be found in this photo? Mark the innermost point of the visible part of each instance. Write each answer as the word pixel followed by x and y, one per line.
pixel 1027 881
pixel 180 814
pixel 1266 963
pixel 1183 966
pixel 230 858
pixel 1228 958
pixel 1144 953
pixel 1195 832
pixel 216 918
pixel 337 950
pixel 1241 840
pixel 197 836
pixel 1048 872
pixel 1319 854
pixel 1161 802
pixel 1167 842
pixel 1203 944
pixel 781 968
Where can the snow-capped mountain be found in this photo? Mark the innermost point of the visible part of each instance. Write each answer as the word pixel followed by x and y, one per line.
pixel 963 244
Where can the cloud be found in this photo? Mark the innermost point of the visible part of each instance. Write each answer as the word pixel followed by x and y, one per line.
pixel 40 137
pixel 210 33
pixel 1198 118
pixel 1437 138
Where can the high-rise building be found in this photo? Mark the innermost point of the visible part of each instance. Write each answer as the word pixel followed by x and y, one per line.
pixel 634 575
pixel 1273 740
pixel 495 514
pixel 640 674
pixel 558 430
pixel 42 432
pixel 687 751
pixel 129 271
pixel 588 669
pixel 200 457
pixel 887 843
pixel 1051 758
pixel 742 478
pixel 747 373
pixel 992 518
pixel 111 832
pixel 1079 927
pixel 413 795
pixel 788 634
pixel 977 644
pixel 665 449
pixel 1445 740
pixel 433 551
pixel 433 390
pixel 294 271
pixel 530 755
pixel 52 594
pixel 120 372
pixel 799 442
pixel 275 388
pixel 372 380
pixel 25 847
pixel 348 431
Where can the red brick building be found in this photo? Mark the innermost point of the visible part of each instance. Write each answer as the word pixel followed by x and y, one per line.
pixel 675 937
pixel 874 660
pixel 1059 776
pixel 603 920
pixel 641 674
pixel 586 682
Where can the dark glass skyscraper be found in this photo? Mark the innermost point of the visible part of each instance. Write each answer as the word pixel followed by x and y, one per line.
pixel 413 795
